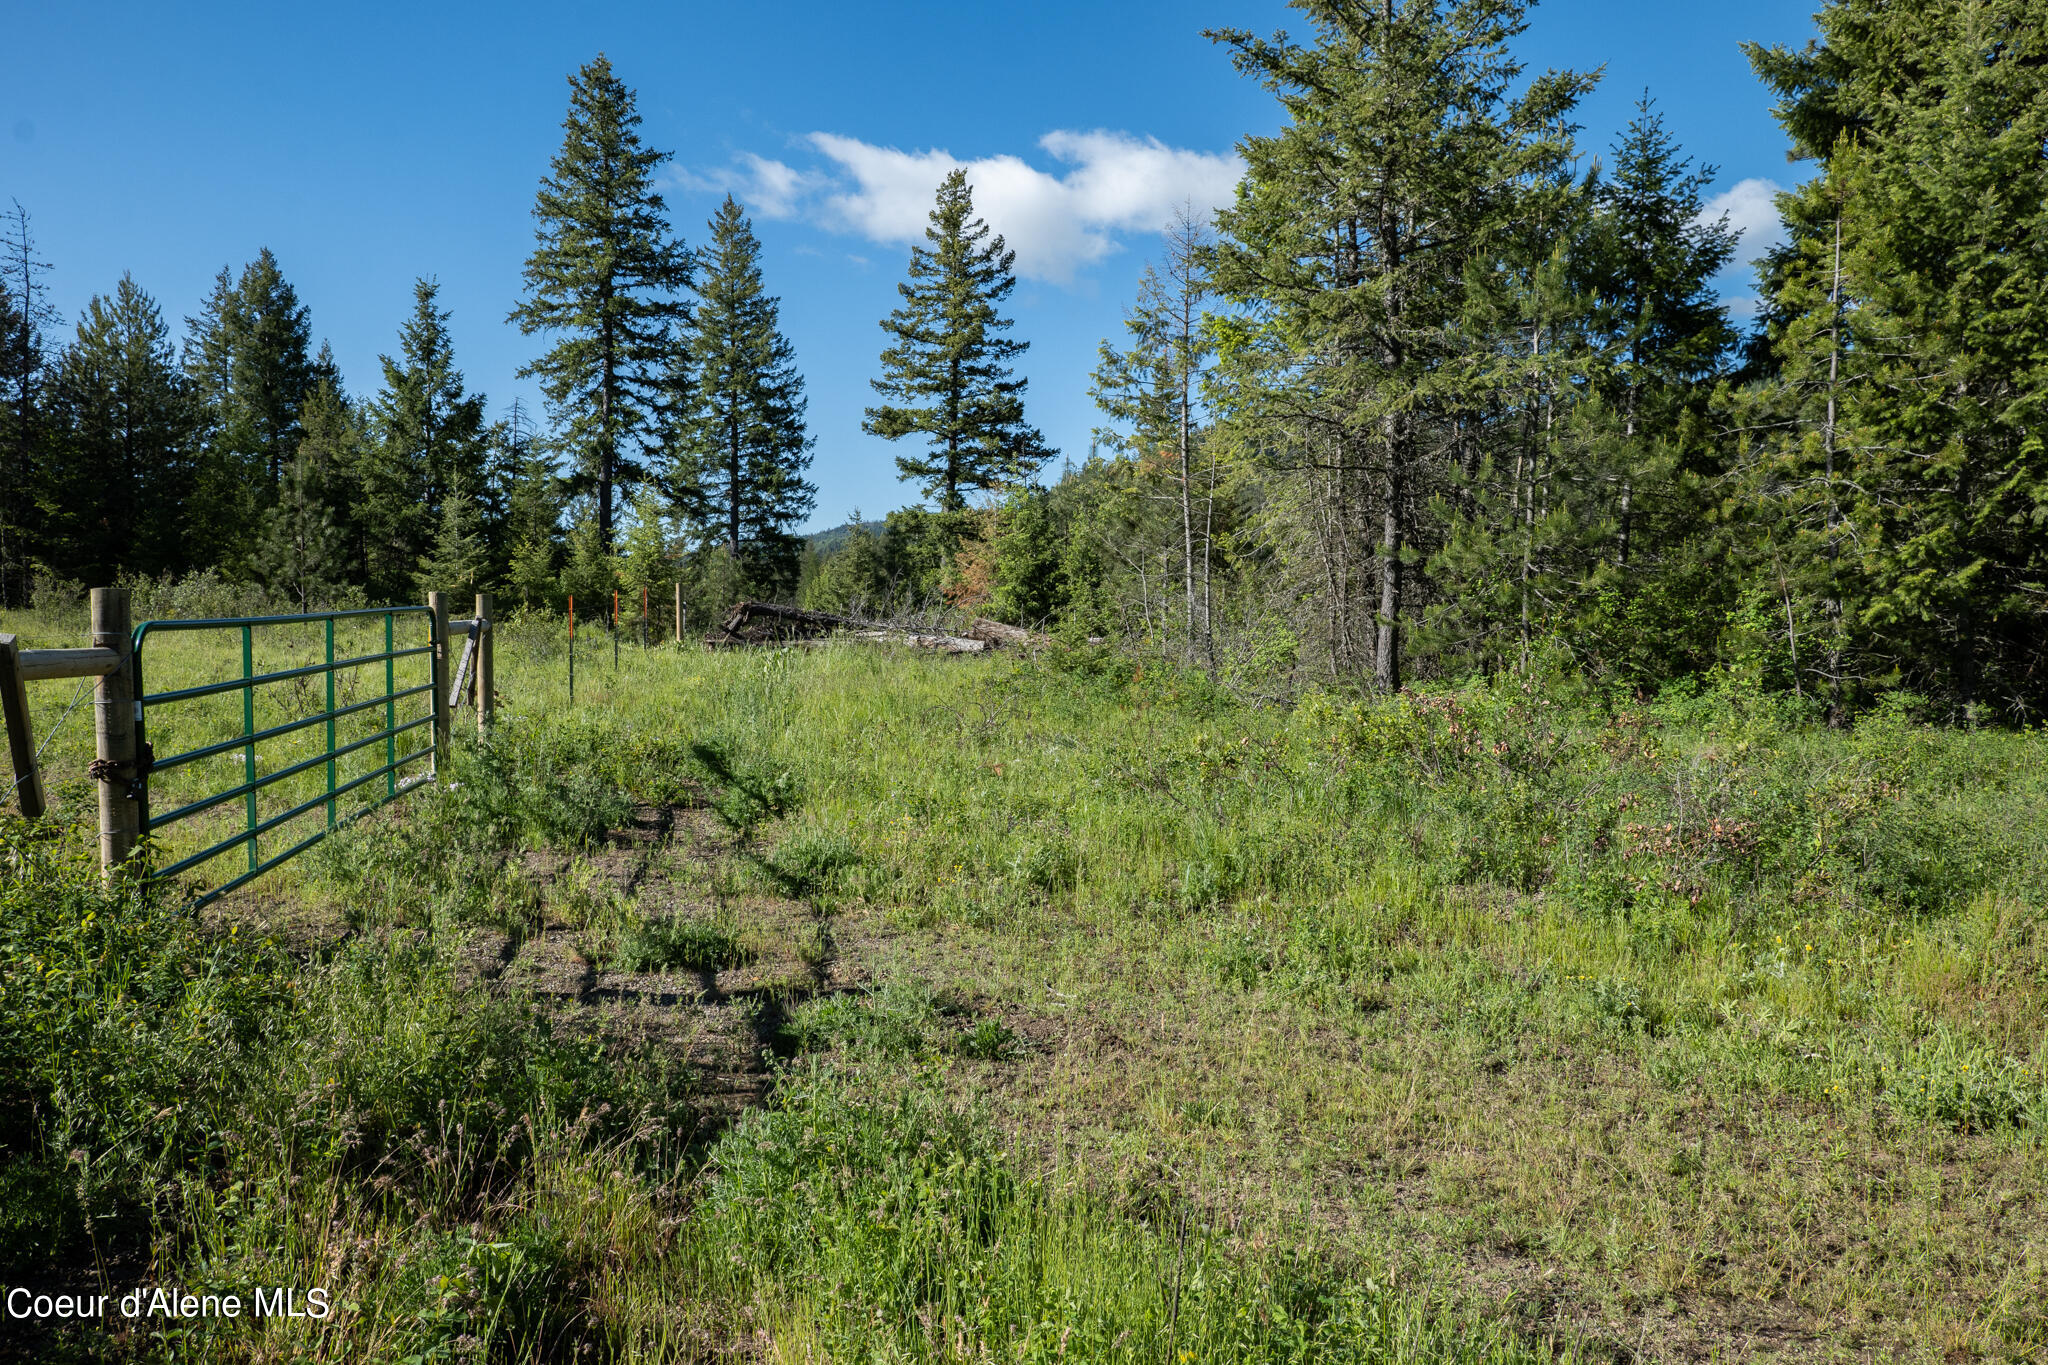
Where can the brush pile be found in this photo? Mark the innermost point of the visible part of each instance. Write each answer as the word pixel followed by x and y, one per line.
pixel 765 623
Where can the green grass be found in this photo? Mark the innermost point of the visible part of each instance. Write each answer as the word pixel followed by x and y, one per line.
pixel 1471 1022
pixel 660 944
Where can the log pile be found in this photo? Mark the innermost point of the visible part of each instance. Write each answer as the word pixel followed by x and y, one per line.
pixel 943 644
pixel 765 623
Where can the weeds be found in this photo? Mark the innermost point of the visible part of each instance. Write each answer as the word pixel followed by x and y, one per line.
pixel 1364 1018
pixel 662 944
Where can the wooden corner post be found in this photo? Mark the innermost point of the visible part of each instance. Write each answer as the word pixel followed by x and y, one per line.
pixel 114 707
pixel 486 665
pixel 437 607
pixel 21 743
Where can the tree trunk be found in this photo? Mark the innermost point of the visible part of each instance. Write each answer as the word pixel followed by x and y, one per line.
pixel 1387 646
pixel 607 451
pixel 1832 603
pixel 1208 567
pixel 1187 518
pixel 732 463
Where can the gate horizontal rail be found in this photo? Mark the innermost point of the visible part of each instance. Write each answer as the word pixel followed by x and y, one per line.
pixel 253 827
pixel 125 761
pixel 215 750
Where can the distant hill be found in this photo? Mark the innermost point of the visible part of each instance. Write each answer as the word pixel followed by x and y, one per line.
pixel 829 541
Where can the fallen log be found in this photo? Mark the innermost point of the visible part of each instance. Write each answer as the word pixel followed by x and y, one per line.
pixel 763 623
pixel 943 644
pixel 767 623
pixel 996 633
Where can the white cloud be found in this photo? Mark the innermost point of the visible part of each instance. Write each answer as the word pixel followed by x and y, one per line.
pixel 1752 210
pixel 1116 183
pixel 768 188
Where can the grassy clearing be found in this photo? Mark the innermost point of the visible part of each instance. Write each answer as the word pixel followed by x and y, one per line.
pixel 1106 1020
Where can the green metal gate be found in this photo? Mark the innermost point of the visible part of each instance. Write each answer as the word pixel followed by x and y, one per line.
pixel 390 735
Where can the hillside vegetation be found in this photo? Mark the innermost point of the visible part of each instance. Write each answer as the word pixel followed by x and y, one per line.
pixel 835 1004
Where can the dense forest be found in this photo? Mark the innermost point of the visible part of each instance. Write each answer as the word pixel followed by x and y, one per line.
pixel 1444 392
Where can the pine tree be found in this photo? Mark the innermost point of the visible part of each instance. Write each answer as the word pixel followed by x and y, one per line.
pixel 590 572
pixel 119 469
pixel 1400 162
pixel 460 560
pixel 604 277
pixel 310 543
pixel 1652 262
pixel 429 434
pixel 1911 352
pixel 534 572
pixel 1155 388
pixel 1526 514
pixel 533 514
pixel 647 565
pixel 740 448
pixel 303 552
pixel 272 370
pixel 853 579
pixel 247 364
pixel 17 473
pixel 26 319
pixel 948 366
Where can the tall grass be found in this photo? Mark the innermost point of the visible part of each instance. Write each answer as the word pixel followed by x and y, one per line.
pixel 1440 938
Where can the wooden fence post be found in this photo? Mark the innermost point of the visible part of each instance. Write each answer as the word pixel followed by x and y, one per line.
pixel 21 744
pixel 114 732
pixel 437 606
pixel 679 611
pixel 486 633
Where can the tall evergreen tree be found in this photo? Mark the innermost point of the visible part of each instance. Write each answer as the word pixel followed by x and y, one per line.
pixel 948 365
pixel 17 472
pixel 119 469
pixel 26 319
pixel 1401 161
pixel 509 443
pixel 1525 517
pixel 224 500
pixel 740 444
pixel 1898 435
pixel 248 364
pixel 428 433
pixel 272 370
pixel 1154 388
pixel 604 278
pixel 1652 260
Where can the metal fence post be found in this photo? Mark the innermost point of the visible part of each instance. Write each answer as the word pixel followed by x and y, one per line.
pixel 114 732
pixel 437 605
pixel 486 669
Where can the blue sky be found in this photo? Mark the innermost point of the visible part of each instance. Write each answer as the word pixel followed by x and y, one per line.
pixel 370 144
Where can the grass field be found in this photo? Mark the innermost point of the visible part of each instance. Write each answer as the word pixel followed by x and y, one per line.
pixel 845 1004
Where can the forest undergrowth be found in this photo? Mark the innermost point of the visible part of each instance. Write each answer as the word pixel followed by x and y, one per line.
pixel 1098 1015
